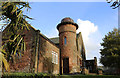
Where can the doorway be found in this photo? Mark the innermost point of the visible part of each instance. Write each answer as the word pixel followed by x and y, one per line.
pixel 66 66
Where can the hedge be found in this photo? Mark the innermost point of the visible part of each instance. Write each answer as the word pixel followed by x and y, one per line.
pixel 26 75
pixel 44 75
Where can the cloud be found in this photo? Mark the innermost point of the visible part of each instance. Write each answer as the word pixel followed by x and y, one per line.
pixel 86 27
pixel 91 37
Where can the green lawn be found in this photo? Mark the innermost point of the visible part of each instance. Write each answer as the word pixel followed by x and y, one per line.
pixel 43 75
pixel 89 76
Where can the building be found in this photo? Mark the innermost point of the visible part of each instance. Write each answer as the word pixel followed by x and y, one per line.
pixel 91 65
pixel 64 54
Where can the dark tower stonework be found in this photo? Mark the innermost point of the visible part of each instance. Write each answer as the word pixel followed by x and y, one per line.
pixel 67 42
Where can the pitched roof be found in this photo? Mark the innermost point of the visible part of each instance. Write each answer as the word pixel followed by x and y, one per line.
pixel 55 40
pixel 34 30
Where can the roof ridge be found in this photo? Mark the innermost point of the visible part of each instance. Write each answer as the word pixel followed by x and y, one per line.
pixel 53 37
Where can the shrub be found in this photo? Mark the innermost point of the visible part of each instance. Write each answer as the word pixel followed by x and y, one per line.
pixel 46 75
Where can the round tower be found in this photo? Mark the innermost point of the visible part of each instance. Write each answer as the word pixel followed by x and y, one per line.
pixel 67 43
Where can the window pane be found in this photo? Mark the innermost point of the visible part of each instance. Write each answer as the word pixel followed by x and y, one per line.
pixel 52 57
pixel 80 48
pixel 56 58
pixel 65 41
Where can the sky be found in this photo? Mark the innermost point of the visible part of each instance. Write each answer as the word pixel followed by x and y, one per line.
pixel 66 0
pixel 95 20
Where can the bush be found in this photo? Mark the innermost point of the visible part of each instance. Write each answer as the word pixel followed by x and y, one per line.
pixel 46 75
pixel 23 75
pixel 90 76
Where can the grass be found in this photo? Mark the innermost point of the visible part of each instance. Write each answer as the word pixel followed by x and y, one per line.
pixel 90 76
pixel 43 75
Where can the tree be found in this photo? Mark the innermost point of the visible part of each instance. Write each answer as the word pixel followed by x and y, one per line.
pixel 12 13
pixel 115 4
pixel 110 53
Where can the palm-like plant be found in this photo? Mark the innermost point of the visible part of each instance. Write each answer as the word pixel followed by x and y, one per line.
pixel 12 12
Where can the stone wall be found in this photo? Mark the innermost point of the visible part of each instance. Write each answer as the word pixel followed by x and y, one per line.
pixel 25 62
pixel 85 71
pixel 80 51
pixel 91 65
pixel 69 49
pixel 45 56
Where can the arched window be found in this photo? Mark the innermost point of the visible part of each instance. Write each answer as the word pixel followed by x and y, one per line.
pixel 65 41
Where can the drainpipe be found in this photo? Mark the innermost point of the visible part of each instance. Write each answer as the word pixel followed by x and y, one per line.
pixel 37 51
pixel 60 63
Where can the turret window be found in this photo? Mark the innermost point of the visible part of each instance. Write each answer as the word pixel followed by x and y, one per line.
pixel 65 41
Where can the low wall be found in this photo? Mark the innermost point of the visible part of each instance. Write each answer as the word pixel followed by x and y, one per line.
pixel 85 71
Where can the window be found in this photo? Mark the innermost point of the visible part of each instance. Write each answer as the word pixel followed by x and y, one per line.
pixel 54 57
pixel 65 41
pixel 80 48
